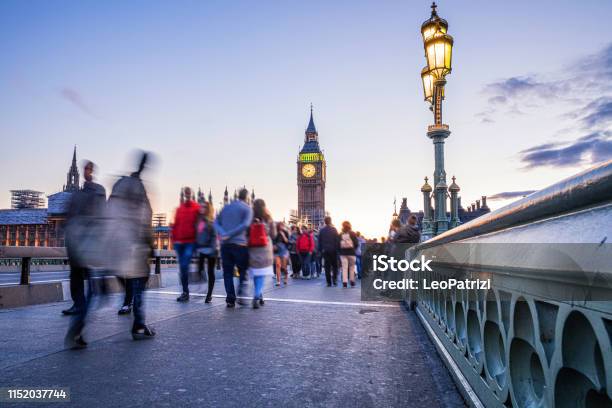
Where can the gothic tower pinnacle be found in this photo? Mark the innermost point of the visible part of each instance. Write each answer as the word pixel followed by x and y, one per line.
pixel 72 179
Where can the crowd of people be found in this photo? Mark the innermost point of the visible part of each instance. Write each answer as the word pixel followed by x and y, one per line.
pixel 248 242
pixel 114 237
pixel 404 234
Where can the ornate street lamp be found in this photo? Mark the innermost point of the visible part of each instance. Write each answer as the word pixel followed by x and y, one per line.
pixel 438 55
pixel 438 47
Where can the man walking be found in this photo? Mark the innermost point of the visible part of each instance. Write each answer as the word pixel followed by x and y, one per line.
pixel 328 247
pixel 83 231
pixel 231 225
pixel 184 238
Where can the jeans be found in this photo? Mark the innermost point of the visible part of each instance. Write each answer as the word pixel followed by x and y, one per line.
pixel 330 258
pixel 184 252
pixel 314 265
pixel 233 255
pixel 138 287
pixel 258 285
pixel 358 263
pixel 305 260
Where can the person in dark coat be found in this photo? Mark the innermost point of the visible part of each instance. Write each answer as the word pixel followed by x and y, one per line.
pixel 129 240
pixel 328 248
pixel 409 233
pixel 207 245
pixel 83 232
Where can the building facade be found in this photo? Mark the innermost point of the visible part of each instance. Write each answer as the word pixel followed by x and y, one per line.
pixel 464 215
pixel 311 176
pixel 40 226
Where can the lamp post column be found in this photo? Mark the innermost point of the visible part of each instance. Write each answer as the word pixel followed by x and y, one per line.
pixel 438 133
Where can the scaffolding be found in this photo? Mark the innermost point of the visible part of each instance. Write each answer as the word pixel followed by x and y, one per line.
pixel 26 199
pixel 159 220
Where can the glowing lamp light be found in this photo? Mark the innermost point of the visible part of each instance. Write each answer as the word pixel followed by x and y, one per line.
pixel 433 24
pixel 428 84
pixel 438 52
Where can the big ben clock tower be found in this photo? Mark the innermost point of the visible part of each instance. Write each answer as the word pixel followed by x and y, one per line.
pixel 311 178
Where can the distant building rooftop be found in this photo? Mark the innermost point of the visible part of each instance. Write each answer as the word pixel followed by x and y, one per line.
pixel 29 216
pixel 58 202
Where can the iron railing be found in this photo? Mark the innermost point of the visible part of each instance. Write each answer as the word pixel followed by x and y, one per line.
pixel 541 336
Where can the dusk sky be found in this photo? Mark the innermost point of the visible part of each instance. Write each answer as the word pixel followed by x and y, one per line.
pixel 220 91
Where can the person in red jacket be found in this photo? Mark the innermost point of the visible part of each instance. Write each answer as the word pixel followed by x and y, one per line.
pixel 184 238
pixel 305 247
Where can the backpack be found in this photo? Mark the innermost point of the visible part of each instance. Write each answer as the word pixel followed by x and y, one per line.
pixel 345 241
pixel 258 237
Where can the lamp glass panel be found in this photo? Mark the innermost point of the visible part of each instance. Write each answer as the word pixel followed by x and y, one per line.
pixel 428 31
pixel 448 55
pixel 439 52
pixel 431 59
pixel 427 85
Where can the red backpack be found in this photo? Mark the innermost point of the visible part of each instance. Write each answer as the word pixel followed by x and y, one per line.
pixel 258 237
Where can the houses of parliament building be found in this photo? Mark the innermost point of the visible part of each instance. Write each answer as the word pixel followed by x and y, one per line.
pixel 28 223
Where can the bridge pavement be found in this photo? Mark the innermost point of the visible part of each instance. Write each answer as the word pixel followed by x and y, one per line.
pixel 308 346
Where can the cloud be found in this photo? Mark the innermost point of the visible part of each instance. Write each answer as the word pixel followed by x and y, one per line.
pixel 583 88
pixel 76 99
pixel 590 149
pixel 598 113
pixel 506 195
pixel 526 86
pixel 598 67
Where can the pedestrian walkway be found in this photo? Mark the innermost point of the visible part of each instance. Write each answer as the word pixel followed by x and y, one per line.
pixel 308 346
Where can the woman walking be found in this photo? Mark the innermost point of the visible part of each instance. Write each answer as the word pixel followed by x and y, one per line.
pixel 281 252
pixel 348 242
pixel 294 257
pixel 305 248
pixel 207 247
pixel 130 240
pixel 261 258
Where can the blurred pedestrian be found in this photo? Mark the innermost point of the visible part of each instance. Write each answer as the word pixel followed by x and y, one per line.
pixel 129 240
pixel 84 230
pixel 231 226
pixel 207 246
pixel 281 252
pixel 328 247
pixel 184 238
pixel 305 247
pixel 315 259
pixel 262 233
pixel 359 252
pixel 294 256
pixel 347 243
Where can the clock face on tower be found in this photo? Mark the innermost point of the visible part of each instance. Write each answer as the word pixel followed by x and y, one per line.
pixel 309 170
